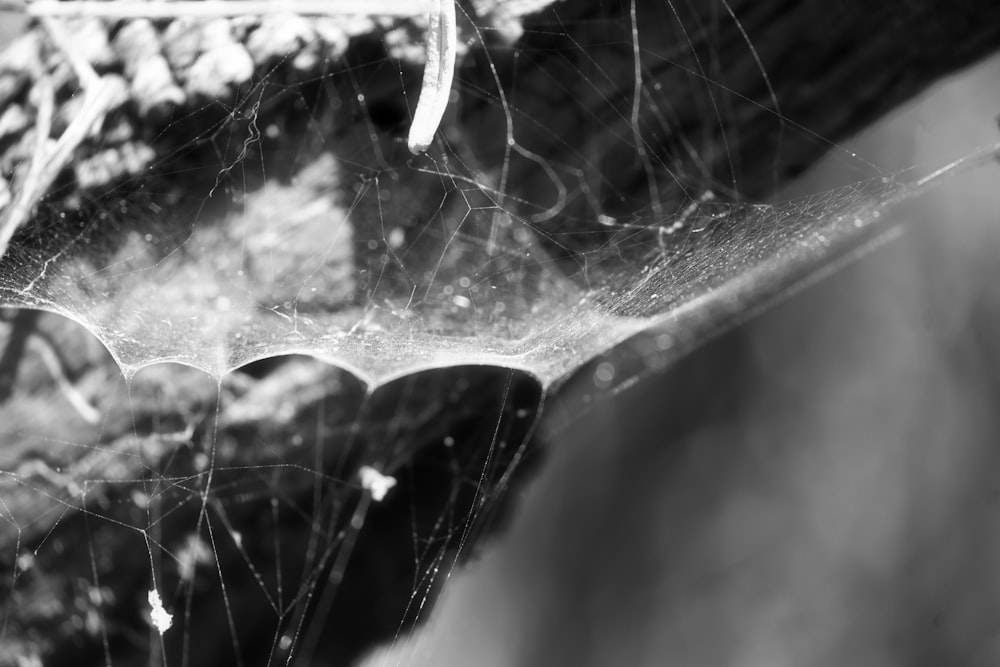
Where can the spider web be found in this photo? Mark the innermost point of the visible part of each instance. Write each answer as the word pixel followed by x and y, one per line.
pixel 333 305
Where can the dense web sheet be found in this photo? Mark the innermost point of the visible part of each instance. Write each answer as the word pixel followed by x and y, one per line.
pixel 268 233
pixel 262 281
pixel 473 285
pixel 370 335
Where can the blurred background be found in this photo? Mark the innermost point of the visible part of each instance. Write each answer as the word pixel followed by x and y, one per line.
pixel 818 487
pixel 11 25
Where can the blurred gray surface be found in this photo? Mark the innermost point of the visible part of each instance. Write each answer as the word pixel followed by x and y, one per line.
pixel 829 498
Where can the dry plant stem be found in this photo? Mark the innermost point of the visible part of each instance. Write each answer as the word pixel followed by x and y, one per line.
pixel 442 47
pixel 100 95
pixel 156 9
pixel 433 101
pixel 442 35
pixel 98 101
pixel 51 360
pixel 34 185
pixel 83 70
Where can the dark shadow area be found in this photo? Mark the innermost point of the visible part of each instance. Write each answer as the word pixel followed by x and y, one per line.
pixel 246 500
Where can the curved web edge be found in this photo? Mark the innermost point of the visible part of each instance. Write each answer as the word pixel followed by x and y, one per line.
pixel 762 261
pixel 158 298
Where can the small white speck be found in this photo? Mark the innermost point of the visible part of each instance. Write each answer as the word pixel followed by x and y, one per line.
pixel 25 561
pixel 140 499
pixel 161 619
pixel 375 482
pixel 397 237
pixel 192 553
